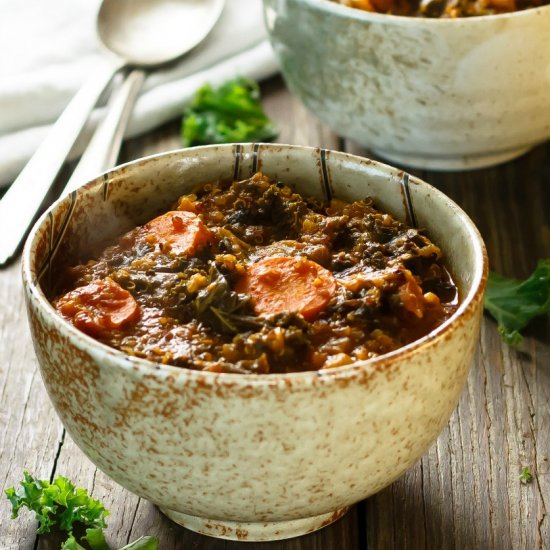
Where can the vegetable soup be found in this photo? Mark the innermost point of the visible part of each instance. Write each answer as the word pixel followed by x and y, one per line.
pixel 250 277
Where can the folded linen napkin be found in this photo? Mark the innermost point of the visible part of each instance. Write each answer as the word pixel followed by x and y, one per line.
pixel 53 48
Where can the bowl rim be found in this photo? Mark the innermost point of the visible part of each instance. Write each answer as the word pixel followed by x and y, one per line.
pixel 469 304
pixel 344 11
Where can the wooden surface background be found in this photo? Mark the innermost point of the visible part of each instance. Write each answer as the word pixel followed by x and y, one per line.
pixel 465 493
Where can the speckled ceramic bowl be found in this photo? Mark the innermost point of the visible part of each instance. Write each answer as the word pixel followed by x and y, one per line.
pixel 431 93
pixel 242 456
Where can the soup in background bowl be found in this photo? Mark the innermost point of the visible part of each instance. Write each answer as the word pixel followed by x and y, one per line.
pixel 442 8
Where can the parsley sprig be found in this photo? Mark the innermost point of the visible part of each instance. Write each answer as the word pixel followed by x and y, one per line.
pixel 61 505
pixel 228 114
pixel 514 303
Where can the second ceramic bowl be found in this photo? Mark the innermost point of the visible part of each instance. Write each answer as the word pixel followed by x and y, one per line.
pixel 431 93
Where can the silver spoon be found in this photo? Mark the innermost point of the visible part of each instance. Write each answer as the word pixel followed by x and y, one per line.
pixel 140 33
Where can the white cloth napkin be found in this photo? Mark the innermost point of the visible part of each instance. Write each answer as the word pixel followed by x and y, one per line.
pixel 49 48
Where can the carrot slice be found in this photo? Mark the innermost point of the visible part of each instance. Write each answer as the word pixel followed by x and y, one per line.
pixel 99 307
pixel 281 284
pixel 179 232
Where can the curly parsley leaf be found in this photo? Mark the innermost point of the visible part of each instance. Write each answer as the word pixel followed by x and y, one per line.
pixel 61 505
pixel 515 303
pixel 228 114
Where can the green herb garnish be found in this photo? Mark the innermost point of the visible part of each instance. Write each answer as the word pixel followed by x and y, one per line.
pixel 526 476
pixel 514 303
pixel 228 114
pixel 61 505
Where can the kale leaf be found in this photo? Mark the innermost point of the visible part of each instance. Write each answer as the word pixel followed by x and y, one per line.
pixel 514 303
pixel 61 505
pixel 230 113
pixel 222 308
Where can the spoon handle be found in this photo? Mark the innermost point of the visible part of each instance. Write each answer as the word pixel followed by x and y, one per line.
pixel 22 201
pixel 102 151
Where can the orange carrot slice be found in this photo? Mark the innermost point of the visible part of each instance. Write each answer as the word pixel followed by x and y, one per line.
pixel 281 284
pixel 99 307
pixel 179 232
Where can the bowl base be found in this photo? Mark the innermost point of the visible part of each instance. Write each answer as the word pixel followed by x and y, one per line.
pixel 463 162
pixel 251 531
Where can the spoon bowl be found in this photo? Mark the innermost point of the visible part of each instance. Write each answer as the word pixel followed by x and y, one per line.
pixel 146 33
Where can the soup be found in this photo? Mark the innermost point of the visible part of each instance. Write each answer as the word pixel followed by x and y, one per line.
pixel 251 277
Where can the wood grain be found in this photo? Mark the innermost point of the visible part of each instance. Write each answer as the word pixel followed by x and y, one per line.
pixel 465 492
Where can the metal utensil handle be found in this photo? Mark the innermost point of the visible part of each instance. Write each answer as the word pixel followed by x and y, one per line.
pixel 102 151
pixel 20 204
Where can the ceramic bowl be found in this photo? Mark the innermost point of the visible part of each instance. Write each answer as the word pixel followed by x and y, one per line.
pixel 250 457
pixel 430 93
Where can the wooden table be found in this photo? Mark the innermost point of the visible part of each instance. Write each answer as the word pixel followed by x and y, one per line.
pixel 464 493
